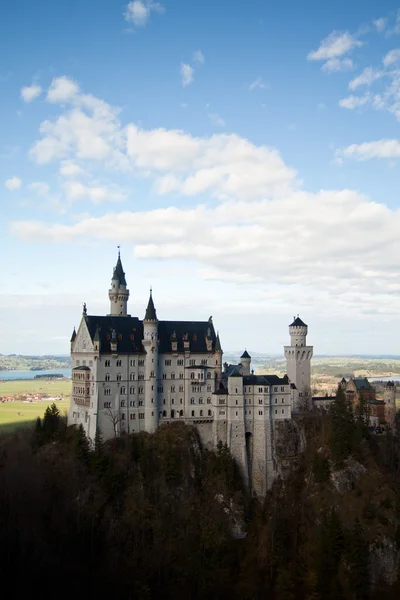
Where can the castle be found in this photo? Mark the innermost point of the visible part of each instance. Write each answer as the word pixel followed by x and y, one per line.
pixel 131 375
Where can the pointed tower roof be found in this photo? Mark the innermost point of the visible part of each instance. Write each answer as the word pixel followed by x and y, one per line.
pixel 298 323
pixel 119 271
pixel 218 347
pixel 236 373
pixel 151 314
pixel 245 355
pixel 73 336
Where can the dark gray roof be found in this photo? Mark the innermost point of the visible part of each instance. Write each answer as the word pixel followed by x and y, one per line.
pixel 362 383
pixel 298 323
pixel 151 314
pixel 245 355
pixel 195 332
pixel 73 336
pixel 265 380
pixel 235 372
pixel 119 272
pixel 81 368
pixel 129 333
pixel 320 398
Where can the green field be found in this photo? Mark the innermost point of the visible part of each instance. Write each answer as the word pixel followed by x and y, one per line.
pixel 51 387
pixel 18 414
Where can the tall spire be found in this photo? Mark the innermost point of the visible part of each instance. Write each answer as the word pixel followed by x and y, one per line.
pixel 118 294
pixel 151 314
pixel 218 347
pixel 119 274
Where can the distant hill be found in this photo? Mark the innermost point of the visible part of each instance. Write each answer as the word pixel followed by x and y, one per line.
pixel 19 362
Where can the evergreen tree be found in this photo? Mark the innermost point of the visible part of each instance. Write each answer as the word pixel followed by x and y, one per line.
pixel 343 432
pixel 82 446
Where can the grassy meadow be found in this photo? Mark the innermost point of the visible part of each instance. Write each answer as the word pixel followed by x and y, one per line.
pixel 22 414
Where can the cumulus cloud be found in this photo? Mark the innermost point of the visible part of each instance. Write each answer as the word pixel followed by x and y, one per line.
pixel 12 184
pixel 62 89
pixel 370 150
pixel 138 12
pixel 380 24
pixel 328 240
pixel 97 194
pixel 352 102
pixel 68 168
pixel 187 74
pixel 30 92
pixel 334 65
pixel 336 45
pixel 198 57
pixel 40 188
pixel 392 57
pixel 367 77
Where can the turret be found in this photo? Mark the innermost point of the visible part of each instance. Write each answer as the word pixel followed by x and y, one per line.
pixel 389 396
pixel 73 336
pixel 245 360
pixel 298 332
pixel 150 345
pixel 298 356
pixel 118 293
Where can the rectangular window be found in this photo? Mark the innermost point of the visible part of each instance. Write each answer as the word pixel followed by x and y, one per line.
pixel 122 403
pixel 221 401
pixel 141 363
pixel 282 389
pixel 192 362
pixel 172 388
pixel 221 412
pixel 204 361
pixel 164 376
pixel 107 404
pixel 172 375
pixel 260 412
pixel 132 417
pixel 167 363
pixel 260 401
pixel 133 363
pixel 180 362
pixel 140 402
pixel 141 415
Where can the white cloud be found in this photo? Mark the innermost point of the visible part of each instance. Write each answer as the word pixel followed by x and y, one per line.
pixel 12 184
pixel 40 188
pixel 335 45
pixel 380 24
pixel 187 74
pixel 70 169
pixel 198 57
pixel 216 119
pixel 30 92
pixel 138 12
pixel 257 83
pixel 367 77
pixel 77 191
pixel 370 150
pixel 352 102
pixel 335 65
pixel 392 57
pixel 62 89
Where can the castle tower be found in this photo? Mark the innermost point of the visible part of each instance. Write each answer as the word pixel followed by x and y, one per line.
pixel 236 429
pixel 245 360
pixel 298 356
pixel 389 397
pixel 150 344
pixel 118 293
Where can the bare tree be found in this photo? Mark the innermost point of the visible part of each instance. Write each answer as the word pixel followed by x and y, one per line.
pixel 305 402
pixel 115 418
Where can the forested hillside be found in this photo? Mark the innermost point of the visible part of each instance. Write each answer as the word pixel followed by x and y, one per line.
pixel 157 516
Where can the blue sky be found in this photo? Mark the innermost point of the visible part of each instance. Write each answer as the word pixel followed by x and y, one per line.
pixel 244 155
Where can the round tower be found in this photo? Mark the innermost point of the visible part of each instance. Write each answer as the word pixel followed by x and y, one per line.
pixel 298 356
pixel 118 293
pixel 245 360
pixel 150 345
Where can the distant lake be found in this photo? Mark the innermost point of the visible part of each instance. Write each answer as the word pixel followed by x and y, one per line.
pixel 391 378
pixel 10 375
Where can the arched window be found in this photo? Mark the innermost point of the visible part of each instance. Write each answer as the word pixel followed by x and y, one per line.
pixel 123 389
pixel 131 390
pixel 181 413
pixel 209 375
pixel 201 413
pixel 119 377
pixel 172 414
pixel 132 377
pixel 119 363
pixel 200 400
pixel 192 413
pixel 107 377
pixel 192 400
pixel 107 392
pixel 209 413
